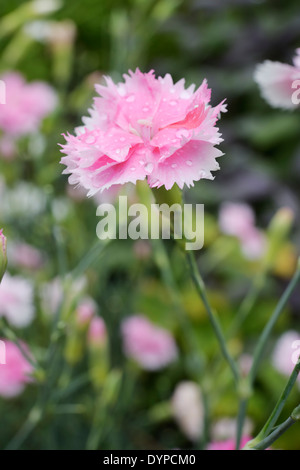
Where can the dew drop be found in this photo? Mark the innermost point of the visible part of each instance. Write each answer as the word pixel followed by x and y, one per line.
pixel 145 109
pixel 122 139
pixel 118 150
pixel 90 139
pixel 130 98
pixel 141 162
pixel 189 163
pixel 174 165
pixel 132 168
pixel 149 167
pixel 173 103
pixel 182 133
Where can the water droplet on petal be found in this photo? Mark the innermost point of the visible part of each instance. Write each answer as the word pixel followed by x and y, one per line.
pixel 145 109
pixel 122 139
pixel 182 133
pixel 189 163
pixel 149 167
pixel 130 98
pixel 90 139
pixel 141 162
pixel 132 168
pixel 118 150
pixel 173 103
pixel 174 165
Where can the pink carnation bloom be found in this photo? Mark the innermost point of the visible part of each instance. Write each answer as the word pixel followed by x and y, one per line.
pixel 275 80
pixel 26 104
pixel 228 444
pixel 287 352
pixel 238 219
pixel 145 127
pixel 152 347
pixel 97 331
pixel 16 300
pixel 14 374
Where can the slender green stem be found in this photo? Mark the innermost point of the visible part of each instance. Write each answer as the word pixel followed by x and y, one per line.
pixel 281 429
pixel 26 429
pixel 163 262
pixel 247 304
pixel 11 336
pixel 198 281
pixel 90 257
pixel 261 345
pixel 262 342
pixel 280 404
pixel 240 421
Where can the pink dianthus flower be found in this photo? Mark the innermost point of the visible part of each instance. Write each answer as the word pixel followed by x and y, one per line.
pixel 276 80
pixel 145 127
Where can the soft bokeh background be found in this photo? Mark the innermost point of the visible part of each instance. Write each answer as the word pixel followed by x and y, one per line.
pixel 221 40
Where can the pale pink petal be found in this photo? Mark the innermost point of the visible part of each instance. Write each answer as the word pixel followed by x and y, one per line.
pixel 275 81
pixel 194 161
pixel 15 373
pixel 152 347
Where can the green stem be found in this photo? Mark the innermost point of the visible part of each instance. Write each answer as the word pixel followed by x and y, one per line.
pixel 240 421
pixel 29 425
pixel 247 304
pixel 262 342
pixel 198 281
pixel 281 429
pixel 9 334
pixel 280 404
pixel 261 345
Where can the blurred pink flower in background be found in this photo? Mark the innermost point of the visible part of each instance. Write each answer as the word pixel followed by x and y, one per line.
pixel 227 444
pixel 52 295
pixel 188 410
pixel 25 256
pixel 275 80
pixel 238 220
pixel 97 331
pixel 151 347
pixel 145 127
pixel 26 104
pixel 85 311
pixel 225 429
pixel 286 352
pixel 16 300
pixel 14 374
